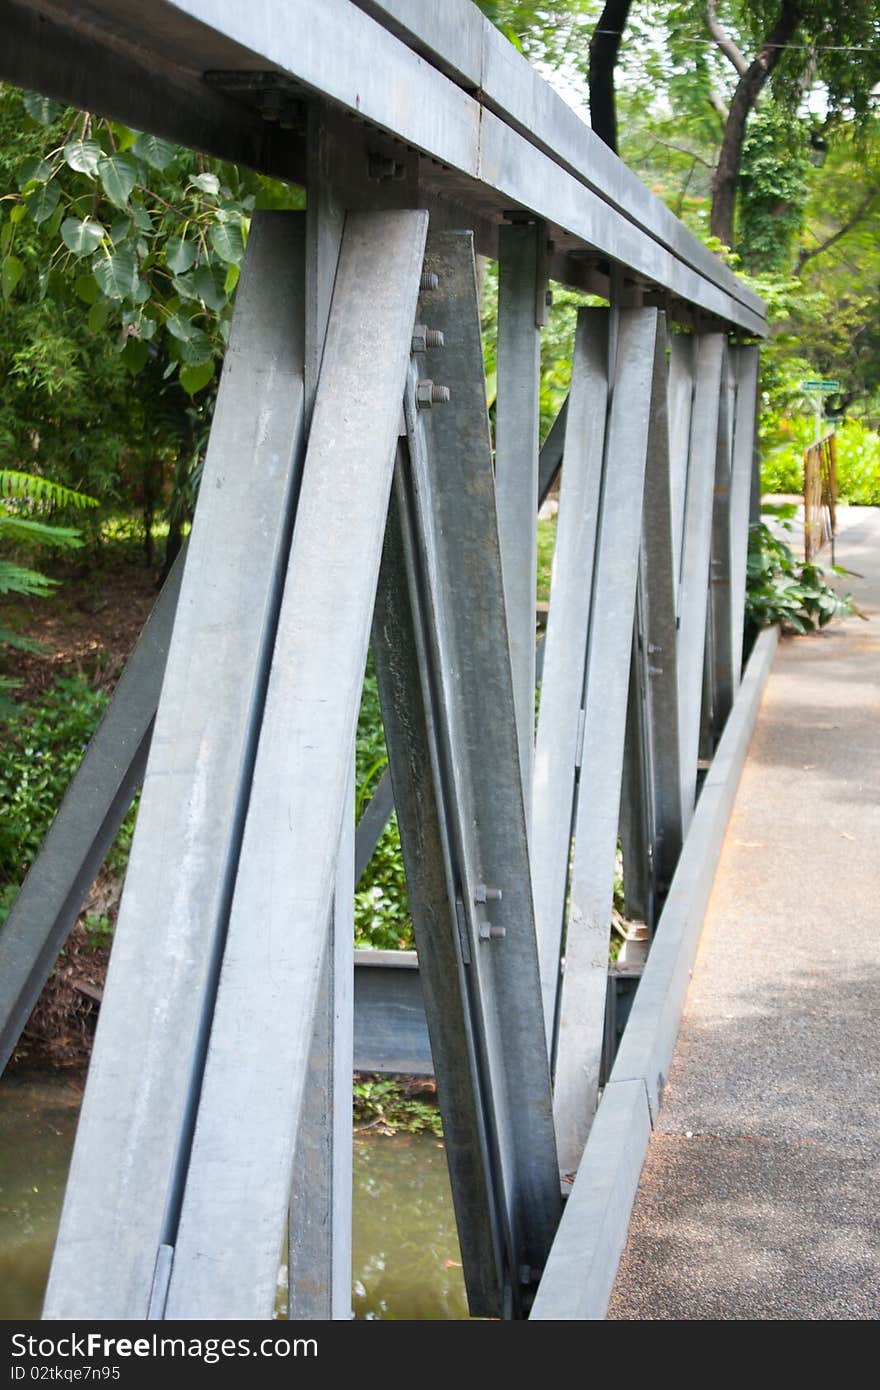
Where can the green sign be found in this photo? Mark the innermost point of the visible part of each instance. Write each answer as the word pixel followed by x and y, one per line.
pixel 818 385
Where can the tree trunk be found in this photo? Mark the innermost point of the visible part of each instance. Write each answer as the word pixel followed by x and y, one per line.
pixel 604 48
pixel 747 92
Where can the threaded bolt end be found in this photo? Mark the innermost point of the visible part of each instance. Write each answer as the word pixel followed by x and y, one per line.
pixel 430 280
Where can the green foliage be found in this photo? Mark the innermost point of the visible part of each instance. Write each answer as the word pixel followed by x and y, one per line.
pixel 386 1105
pixel 781 590
pixel 858 458
pixel 43 745
pixel 381 906
pixel 24 498
pixel 773 188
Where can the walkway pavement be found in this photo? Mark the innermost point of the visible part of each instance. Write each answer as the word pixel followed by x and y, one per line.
pixel 761 1190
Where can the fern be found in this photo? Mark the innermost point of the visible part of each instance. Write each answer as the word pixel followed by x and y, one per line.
pixel 16 486
pixel 21 532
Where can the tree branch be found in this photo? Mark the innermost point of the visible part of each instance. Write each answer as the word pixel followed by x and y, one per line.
pixel 604 48
pixel 858 216
pixel 748 89
pixel 724 41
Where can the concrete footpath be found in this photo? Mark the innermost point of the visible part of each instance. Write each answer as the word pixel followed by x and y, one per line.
pixel 760 1195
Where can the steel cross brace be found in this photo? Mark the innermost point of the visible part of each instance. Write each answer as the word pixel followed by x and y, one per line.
pixel 443 663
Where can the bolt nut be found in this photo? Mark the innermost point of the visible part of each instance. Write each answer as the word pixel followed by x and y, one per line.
pixel 428 394
pixel 484 894
pixel 430 280
pixel 424 338
pixel 489 933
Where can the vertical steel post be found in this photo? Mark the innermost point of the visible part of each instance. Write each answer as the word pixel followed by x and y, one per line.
pixel 695 553
pixel 746 370
pixel 517 424
pixel 640 351
pixel 560 715
pixel 680 409
pixel 720 652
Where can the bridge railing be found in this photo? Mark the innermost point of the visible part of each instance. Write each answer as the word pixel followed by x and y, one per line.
pixel 352 494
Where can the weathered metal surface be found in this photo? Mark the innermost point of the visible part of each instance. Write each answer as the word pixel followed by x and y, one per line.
pixel 127 1164
pixel 695 553
pixel 94 806
pixel 517 424
pixel 443 661
pixel 746 368
pixel 568 625
pixel 319 1227
pixel 720 628
pixel 461 41
pixel 390 1026
pixel 680 400
pixel 238 1177
pixel 338 52
pixel 640 351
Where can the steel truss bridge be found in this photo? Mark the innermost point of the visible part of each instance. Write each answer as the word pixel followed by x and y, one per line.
pixel 351 495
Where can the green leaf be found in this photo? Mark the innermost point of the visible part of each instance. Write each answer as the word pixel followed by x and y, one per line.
pixel 6 238
pixel 116 274
pixel 232 274
pixel 196 349
pixel 134 355
pixel 43 201
pixel 120 229
pixel 34 170
pixel 18 214
pixel 153 151
pixel 143 220
pixel 40 109
pixel 184 287
pixel 118 174
pixel 10 275
pixel 179 255
pixel 82 238
pixel 83 156
pixel 208 285
pixel 98 315
pixel 227 241
pixel 208 183
pixel 179 327
pixel 193 379
pixel 85 288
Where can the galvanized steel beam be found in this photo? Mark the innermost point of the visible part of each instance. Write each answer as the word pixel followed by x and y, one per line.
pixel 560 714
pixel 443 660
pixel 695 553
pixel 238 1177
pixel 336 51
pixel 129 1159
pixel 639 358
pixel 517 424
pixel 746 370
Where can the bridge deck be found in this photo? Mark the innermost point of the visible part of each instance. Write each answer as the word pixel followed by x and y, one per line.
pixel 758 1196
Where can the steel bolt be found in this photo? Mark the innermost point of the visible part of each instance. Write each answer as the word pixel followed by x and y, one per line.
pixel 424 338
pixel 428 394
pixel 489 933
pixel 484 894
pixel 430 280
